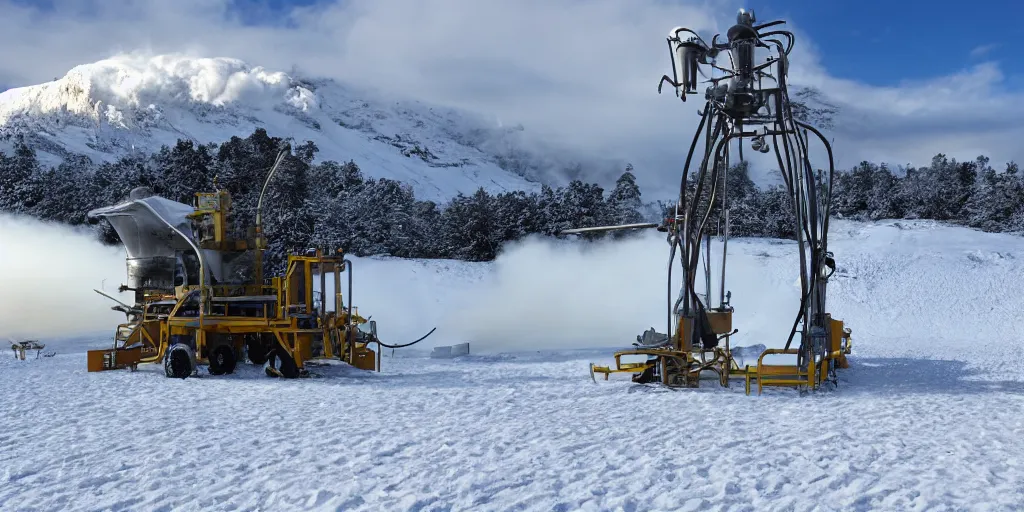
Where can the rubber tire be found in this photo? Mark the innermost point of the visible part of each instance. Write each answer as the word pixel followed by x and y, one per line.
pixel 222 359
pixel 257 352
pixel 287 366
pixel 179 362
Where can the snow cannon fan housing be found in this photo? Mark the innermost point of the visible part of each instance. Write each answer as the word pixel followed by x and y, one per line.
pixel 156 234
pixel 162 237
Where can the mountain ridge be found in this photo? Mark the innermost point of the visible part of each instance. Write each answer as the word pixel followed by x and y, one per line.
pixel 137 103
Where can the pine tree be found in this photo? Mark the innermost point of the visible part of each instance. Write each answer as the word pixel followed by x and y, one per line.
pixel 469 227
pixel 883 203
pixel 66 192
pixel 582 205
pixel 624 202
pixel 516 215
pixel 16 187
pixel 330 205
pixel 183 170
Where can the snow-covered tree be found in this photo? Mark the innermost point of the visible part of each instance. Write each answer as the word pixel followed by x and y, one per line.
pixel 330 205
pixel 624 203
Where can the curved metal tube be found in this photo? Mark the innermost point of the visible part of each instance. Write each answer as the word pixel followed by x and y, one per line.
pixel 259 202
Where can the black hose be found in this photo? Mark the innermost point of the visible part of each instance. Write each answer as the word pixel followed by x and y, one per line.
pixel 788 34
pixel 831 169
pixel 800 314
pixel 693 146
pixel 411 343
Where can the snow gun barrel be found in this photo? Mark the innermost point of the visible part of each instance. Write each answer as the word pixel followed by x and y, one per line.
pixel 595 229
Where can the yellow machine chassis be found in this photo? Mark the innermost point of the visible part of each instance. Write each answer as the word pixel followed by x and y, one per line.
pixel 681 366
pixel 151 338
pixel 199 320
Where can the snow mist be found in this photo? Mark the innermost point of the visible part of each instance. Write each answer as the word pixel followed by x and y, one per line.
pixel 546 294
pixel 48 273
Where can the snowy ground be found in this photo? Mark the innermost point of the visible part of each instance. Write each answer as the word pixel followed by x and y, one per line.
pixel 929 417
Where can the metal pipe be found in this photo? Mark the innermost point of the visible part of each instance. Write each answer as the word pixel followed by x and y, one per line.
pixel 725 214
pixel 671 260
pixel 337 304
pixel 692 263
pixel 714 178
pixel 794 192
pixel 819 296
pixel 831 168
pixel 707 268
pixel 575 231
pixel 324 328
pixel 691 253
pixel 323 290
pixel 259 218
pixel 348 328
pixel 699 234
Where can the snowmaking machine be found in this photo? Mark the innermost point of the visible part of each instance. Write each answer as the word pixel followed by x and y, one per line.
pixel 200 297
pixel 748 101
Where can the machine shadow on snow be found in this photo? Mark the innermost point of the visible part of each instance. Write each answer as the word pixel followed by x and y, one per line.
pixel 894 375
pixel 906 375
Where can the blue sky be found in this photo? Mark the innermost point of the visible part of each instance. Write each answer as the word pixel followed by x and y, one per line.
pixel 887 42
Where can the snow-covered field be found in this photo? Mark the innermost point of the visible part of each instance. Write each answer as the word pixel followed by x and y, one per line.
pixel 929 417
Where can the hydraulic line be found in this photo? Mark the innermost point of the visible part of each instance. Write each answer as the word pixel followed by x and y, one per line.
pixel 411 343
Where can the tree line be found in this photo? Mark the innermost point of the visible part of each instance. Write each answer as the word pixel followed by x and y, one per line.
pixel 326 204
pixel 332 205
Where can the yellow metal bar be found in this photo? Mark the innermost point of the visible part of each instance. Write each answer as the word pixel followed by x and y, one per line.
pixel 777 370
pixel 307 267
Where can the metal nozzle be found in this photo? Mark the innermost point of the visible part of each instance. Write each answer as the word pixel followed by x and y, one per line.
pixel 745 17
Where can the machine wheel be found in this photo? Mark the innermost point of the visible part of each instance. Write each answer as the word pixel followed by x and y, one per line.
pixel 646 376
pixel 222 360
pixel 257 351
pixel 180 361
pixel 281 363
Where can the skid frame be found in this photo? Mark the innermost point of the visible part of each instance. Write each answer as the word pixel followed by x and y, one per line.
pixel 678 367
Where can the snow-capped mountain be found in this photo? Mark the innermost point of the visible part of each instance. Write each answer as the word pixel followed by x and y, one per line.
pixel 132 103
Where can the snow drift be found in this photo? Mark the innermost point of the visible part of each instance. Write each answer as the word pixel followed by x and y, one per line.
pixel 928 416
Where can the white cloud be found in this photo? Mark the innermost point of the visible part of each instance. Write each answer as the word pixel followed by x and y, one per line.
pixel 578 72
pixel 983 50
